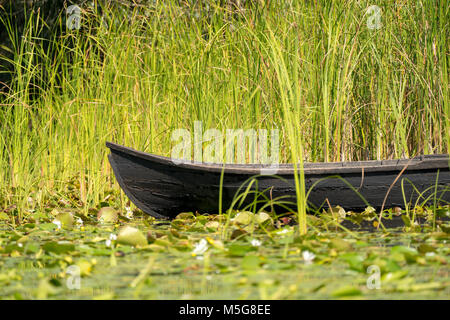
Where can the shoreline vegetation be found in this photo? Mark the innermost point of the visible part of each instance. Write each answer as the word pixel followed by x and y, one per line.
pixel 336 89
pixel 334 80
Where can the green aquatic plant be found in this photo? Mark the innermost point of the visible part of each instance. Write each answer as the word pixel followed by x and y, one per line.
pixel 336 89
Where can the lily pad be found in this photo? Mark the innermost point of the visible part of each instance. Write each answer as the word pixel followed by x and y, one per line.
pixel 346 291
pixel 243 218
pixel 131 236
pixel 66 219
pixel 59 248
pixel 108 215
pixel 262 217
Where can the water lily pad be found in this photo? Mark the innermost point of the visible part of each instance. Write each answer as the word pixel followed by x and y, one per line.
pixel 354 260
pixel 340 244
pixel 185 216
pixel 45 289
pixel 240 250
pixel 243 218
pixel 346 291
pixel 104 296
pixel 216 243
pixel 262 217
pixel 47 226
pixel 131 236
pixel 66 219
pixel 108 215
pixel 394 276
pixel 85 267
pixel 238 233
pixel 59 248
pixel 424 248
pixel 212 225
pixel 337 212
pixel 250 262
pixel 410 254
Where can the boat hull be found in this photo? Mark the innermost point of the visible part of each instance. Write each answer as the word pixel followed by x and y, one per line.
pixel 162 188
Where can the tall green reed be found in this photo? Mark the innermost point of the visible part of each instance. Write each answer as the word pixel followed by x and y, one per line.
pixel 336 89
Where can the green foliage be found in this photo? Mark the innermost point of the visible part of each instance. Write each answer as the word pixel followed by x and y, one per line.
pixel 190 260
pixel 336 89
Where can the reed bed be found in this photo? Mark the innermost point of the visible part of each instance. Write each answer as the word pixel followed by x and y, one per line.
pixel 336 89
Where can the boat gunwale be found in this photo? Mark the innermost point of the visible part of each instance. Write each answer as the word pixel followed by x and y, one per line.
pixel 424 162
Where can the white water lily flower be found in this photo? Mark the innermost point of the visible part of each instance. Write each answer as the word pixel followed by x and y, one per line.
pixel 200 247
pixel 308 256
pixel 129 213
pixel 255 243
pixel 112 237
pixel 80 221
pixel 285 232
pixel 57 223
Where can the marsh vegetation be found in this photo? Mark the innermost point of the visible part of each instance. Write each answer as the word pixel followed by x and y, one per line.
pixel 339 82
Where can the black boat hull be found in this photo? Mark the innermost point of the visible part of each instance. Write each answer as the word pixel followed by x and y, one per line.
pixel 163 189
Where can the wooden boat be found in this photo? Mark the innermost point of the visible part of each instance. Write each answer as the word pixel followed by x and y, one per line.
pixel 162 188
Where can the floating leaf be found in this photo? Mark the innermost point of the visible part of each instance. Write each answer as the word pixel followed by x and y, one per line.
pixel 240 250
pixel 66 219
pixel 262 217
pixel 238 233
pixel 337 212
pixel 250 262
pixel 47 226
pixel 354 260
pixel 85 267
pixel 216 243
pixel 104 296
pixel 185 216
pixel 212 225
pixel 424 248
pixel 243 218
pixel 131 236
pixel 410 254
pixel 427 286
pixel 394 276
pixel 59 248
pixel 346 291
pixel 44 290
pixel 340 244
pixel 163 242
pixel 108 215
pixel 153 235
